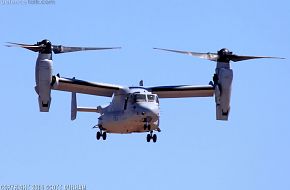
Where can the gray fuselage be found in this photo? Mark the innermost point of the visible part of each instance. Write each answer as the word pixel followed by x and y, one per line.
pixel 131 110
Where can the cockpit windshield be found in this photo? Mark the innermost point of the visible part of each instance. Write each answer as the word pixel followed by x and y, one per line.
pixel 151 97
pixel 139 97
pixel 136 97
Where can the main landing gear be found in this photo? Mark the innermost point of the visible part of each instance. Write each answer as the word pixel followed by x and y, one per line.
pixel 101 134
pixel 151 136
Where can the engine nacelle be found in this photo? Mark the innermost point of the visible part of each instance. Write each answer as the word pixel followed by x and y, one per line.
pixel 43 78
pixel 223 90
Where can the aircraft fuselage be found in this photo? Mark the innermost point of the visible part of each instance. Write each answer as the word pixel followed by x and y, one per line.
pixel 132 110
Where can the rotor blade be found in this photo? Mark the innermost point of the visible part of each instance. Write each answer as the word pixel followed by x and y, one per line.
pixel 237 58
pixel 34 48
pixel 208 56
pixel 64 49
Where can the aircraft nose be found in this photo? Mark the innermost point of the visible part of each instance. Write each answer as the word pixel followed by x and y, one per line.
pixel 151 111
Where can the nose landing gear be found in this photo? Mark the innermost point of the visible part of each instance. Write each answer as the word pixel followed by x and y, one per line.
pixel 147 126
pixel 146 121
pixel 151 136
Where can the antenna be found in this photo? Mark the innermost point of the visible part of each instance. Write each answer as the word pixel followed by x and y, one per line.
pixel 141 83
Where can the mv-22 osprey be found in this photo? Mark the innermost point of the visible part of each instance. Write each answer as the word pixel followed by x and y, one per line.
pixel 133 109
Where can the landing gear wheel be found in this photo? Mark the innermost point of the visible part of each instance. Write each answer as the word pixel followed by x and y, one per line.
pixel 154 137
pixel 148 137
pixel 104 136
pixel 151 136
pixel 101 134
pixel 98 135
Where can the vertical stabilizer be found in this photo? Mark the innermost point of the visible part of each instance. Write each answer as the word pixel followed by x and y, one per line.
pixel 73 106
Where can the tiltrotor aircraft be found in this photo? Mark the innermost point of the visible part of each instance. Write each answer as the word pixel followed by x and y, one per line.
pixel 133 109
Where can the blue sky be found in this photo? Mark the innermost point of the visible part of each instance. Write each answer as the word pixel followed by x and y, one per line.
pixel 194 151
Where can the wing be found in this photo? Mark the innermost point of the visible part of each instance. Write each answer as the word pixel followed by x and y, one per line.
pixel 182 91
pixel 84 87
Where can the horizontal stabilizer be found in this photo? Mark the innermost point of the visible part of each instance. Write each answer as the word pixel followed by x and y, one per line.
pixel 75 109
pixel 88 109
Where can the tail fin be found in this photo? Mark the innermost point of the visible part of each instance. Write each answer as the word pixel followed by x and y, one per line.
pixel 73 106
